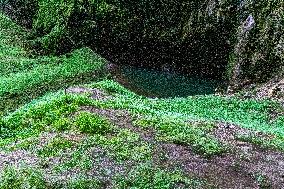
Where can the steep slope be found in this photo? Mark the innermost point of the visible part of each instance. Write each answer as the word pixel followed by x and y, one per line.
pixel 101 135
pixel 257 55
pixel 239 41
pixel 104 136
pixel 24 78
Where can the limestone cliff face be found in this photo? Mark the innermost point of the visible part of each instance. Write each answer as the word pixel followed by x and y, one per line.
pixel 241 41
pixel 258 51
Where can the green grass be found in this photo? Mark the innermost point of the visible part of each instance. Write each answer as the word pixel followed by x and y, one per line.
pixel 27 78
pixel 272 142
pixel 22 144
pixel 11 36
pixel 54 147
pixel 18 178
pixel 80 66
pixel 125 145
pixel 24 78
pixel 248 113
pixel 53 111
pixel 71 67
pixel 185 121
pixel 30 178
pixel 190 134
pixel 62 124
pixel 92 123
pixel 39 115
pixel 122 146
pixel 146 176
pixel 84 183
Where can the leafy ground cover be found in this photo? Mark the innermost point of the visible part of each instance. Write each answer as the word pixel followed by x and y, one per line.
pixel 24 78
pixel 102 135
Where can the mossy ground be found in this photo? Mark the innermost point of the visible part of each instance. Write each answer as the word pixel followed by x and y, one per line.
pixel 101 135
pixel 24 77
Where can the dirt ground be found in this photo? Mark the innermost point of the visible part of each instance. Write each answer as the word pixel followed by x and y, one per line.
pixel 244 166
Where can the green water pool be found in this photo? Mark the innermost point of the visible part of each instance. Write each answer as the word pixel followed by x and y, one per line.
pixel 163 84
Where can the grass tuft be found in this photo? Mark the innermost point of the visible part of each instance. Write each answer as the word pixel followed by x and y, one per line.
pixel 92 123
pixel 148 176
pixel 272 142
pixel 28 178
pixel 195 136
pixel 54 147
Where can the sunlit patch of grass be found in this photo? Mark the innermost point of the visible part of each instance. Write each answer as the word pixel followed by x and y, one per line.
pixel 62 124
pixel 81 65
pixel 147 175
pixel 48 110
pixel 194 135
pixel 92 123
pixel 52 112
pixel 126 145
pixel 39 115
pixel 18 178
pixel 54 147
pixel 272 142
pixel 248 113
pixel 84 183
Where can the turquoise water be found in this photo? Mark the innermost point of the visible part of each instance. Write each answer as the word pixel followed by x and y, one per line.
pixel 162 84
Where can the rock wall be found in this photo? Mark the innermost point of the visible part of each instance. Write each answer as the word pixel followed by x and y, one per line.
pixel 258 52
pixel 240 41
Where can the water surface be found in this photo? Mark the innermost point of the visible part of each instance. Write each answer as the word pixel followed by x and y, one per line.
pixel 163 84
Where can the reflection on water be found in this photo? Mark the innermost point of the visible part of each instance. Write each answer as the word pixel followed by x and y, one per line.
pixel 162 84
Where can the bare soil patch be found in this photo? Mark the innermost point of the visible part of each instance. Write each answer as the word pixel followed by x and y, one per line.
pixel 244 166
pixel 17 158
